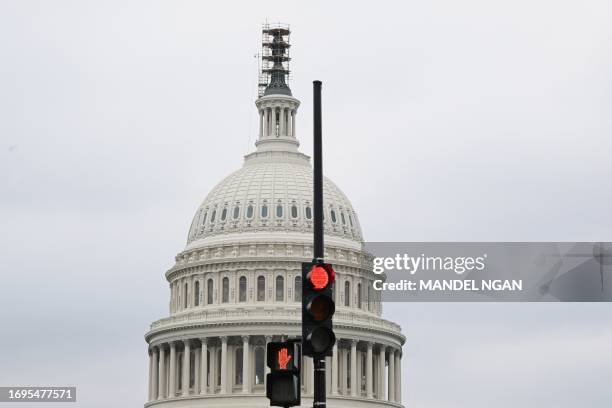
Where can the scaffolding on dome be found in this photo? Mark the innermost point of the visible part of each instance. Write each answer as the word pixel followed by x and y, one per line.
pixel 274 57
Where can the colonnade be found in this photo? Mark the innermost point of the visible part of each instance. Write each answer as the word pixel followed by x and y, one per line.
pixel 276 121
pixel 236 364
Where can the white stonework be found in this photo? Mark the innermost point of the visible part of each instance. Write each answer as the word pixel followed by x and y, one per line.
pixel 236 286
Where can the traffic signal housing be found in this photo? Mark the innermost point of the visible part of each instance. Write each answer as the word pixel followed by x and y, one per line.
pixel 318 307
pixel 283 380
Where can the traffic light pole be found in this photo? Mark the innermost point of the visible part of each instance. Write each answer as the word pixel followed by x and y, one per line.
pixel 318 362
pixel 318 173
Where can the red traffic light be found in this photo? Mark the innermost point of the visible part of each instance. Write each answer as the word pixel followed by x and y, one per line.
pixel 321 276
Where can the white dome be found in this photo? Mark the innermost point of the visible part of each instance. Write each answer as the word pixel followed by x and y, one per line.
pixel 270 193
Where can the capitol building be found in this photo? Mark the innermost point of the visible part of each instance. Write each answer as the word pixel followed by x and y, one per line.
pixel 237 283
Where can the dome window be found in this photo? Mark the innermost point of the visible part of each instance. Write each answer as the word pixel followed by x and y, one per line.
pixel 225 290
pixel 242 289
pixel 212 216
pixel 204 218
pixel 294 211
pixel 236 212
pixel 308 213
pixel 280 289
pixel 264 211
pixel 261 288
pixel 196 294
pixel 350 220
pixel 224 214
pixel 279 211
pixel 342 218
pixel 186 296
pixel 297 289
pixel 333 216
pixel 209 291
pixel 249 213
pixel 347 293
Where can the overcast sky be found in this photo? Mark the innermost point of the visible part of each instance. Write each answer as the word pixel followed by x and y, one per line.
pixel 443 120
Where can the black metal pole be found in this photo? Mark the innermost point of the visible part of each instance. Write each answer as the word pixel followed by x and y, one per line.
pixel 318 173
pixel 319 383
pixel 318 362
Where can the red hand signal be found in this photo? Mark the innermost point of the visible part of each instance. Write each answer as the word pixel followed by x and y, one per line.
pixel 283 358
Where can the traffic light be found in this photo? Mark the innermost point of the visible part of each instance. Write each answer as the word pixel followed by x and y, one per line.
pixel 318 338
pixel 283 381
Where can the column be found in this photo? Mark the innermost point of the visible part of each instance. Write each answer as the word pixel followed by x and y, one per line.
pixel 293 122
pixel 398 376
pixel 153 380
pixel 261 123
pixel 381 373
pixel 334 384
pixel 172 368
pixel 161 379
pixel 310 375
pixel 391 395
pixel 186 368
pixel 328 377
pixel 246 378
pixel 213 369
pixel 223 365
pixel 204 365
pixel 267 369
pixel 289 122
pixel 343 371
pixel 150 387
pixel 281 120
pixel 196 371
pixel 369 371
pixel 266 122
pixel 354 368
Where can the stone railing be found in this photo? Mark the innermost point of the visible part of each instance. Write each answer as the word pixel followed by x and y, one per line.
pixel 270 314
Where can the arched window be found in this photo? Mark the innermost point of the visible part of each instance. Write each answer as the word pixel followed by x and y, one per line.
pixel 238 367
pixel 279 211
pixel 224 214
pixel 264 211
pixel 185 296
pixel 204 218
pixel 236 212
pixel 196 294
pixel 261 288
pixel 249 213
pixel 347 293
pixel 342 218
pixel 209 291
pixel 350 220
pixel 308 213
pixel 294 212
pixel 359 295
pixel 242 289
pixel 225 288
pixel 280 289
pixel 333 216
pixel 259 365
pixel 212 216
pixel 297 289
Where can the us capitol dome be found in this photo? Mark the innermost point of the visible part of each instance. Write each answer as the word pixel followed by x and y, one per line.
pixel 237 284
